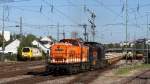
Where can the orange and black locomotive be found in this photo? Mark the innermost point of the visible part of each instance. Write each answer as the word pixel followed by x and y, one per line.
pixel 74 55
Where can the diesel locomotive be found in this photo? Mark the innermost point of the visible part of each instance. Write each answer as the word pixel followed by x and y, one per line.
pixel 74 55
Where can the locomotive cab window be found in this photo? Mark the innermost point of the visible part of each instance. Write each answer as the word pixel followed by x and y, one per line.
pixel 73 42
pixel 26 49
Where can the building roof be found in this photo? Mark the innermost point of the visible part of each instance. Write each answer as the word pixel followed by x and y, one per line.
pixel 46 38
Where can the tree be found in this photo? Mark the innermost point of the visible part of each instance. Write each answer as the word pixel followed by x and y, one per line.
pixel 27 41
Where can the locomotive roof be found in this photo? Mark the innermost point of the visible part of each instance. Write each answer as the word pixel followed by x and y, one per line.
pixel 92 43
pixel 71 40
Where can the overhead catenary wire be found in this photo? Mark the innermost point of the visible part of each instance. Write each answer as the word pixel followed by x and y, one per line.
pixel 31 10
pixel 108 8
pixel 35 11
pixel 66 16
pixel 11 1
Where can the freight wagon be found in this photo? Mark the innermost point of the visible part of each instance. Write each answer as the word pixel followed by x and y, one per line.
pixel 74 55
pixel 31 53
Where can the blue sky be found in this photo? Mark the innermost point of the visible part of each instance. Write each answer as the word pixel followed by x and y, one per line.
pixel 110 17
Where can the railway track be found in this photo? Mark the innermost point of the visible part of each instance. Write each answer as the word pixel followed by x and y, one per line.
pixel 20 64
pixel 19 68
pixel 37 75
pixel 35 79
pixel 90 76
pixel 86 77
pixel 142 78
pixel 34 73
pixel 25 73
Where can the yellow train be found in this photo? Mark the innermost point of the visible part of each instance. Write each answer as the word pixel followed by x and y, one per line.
pixel 31 53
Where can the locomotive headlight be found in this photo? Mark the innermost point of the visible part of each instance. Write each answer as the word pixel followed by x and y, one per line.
pixel 53 60
pixel 67 61
pixel 64 60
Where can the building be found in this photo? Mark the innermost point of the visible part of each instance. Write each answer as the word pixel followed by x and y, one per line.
pixel 12 47
pixel 6 35
pixel 44 43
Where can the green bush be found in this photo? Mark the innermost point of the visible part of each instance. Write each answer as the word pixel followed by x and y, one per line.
pixel 8 56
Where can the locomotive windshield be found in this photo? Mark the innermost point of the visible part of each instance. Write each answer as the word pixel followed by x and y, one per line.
pixel 71 41
pixel 26 50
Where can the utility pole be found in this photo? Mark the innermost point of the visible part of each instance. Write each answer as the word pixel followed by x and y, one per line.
pixel 63 34
pixel 74 34
pixel 93 26
pixel 21 28
pixel 85 32
pixel 85 25
pixel 92 22
pixel 58 32
pixel 126 28
pixel 126 21
pixel 3 38
pixel 147 37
